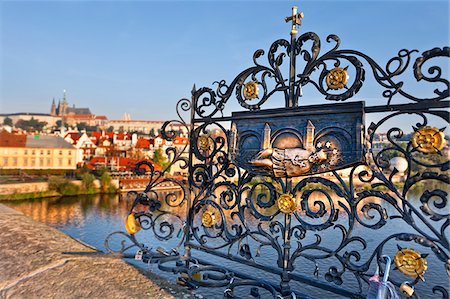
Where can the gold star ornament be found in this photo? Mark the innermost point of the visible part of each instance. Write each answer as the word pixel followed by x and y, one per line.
pixel 203 143
pixel 337 78
pixel 208 219
pixel 428 140
pixel 410 263
pixel 286 204
pixel 251 90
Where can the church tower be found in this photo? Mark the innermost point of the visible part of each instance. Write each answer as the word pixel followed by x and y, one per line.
pixel 64 105
pixel 53 109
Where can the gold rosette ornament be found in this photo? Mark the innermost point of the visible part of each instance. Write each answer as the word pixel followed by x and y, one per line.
pixel 410 263
pixel 208 219
pixel 203 143
pixel 337 78
pixel 428 140
pixel 286 204
pixel 132 225
pixel 251 90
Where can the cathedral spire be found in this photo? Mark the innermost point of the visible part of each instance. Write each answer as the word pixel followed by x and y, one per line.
pixel 64 96
pixel 53 108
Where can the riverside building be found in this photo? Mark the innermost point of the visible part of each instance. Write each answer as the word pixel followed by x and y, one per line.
pixel 20 151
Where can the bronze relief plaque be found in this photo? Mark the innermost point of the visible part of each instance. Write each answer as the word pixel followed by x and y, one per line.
pixel 293 142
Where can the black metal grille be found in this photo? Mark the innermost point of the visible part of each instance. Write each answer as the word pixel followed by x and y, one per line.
pixel 371 199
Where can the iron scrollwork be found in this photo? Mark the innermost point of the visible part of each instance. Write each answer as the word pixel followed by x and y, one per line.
pixel 230 208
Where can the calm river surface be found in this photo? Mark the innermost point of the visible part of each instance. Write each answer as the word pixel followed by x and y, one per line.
pixel 92 218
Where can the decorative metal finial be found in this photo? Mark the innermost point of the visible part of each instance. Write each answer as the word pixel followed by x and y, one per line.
pixel 296 19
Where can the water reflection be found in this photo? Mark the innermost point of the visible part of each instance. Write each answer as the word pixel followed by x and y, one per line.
pixel 92 218
pixel 72 210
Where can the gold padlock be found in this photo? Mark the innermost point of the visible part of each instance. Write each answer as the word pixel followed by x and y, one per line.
pixel 196 275
pixel 132 225
pixel 406 289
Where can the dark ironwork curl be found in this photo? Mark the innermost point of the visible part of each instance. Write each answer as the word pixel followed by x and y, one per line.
pixel 246 224
pixel 208 102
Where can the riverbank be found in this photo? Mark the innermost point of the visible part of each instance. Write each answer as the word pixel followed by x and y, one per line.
pixel 59 186
pixel 33 266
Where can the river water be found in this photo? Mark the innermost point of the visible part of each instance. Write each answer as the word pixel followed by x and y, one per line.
pixel 91 218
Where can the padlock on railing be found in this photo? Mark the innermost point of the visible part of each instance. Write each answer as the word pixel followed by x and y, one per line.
pixel 382 289
pixel 406 289
pixel 196 275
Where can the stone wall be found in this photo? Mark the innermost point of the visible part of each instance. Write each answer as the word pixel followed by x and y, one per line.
pixel 23 188
pixel 6 189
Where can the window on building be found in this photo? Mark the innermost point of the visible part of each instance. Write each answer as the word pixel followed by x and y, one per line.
pixel 14 162
pixel 33 162
pixel 69 161
pixel 25 152
pixel 60 153
pixel 70 153
pixel 25 161
pixel 33 152
pixel 41 161
pixel 49 162
pixel 59 162
pixel 42 152
pixel 48 152
pixel 5 161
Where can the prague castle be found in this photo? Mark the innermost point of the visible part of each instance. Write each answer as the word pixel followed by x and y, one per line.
pixel 63 108
pixel 69 116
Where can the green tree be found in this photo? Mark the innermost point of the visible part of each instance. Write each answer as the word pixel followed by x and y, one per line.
pixel 58 123
pixel 82 126
pixel 8 122
pixel 106 181
pixel 88 181
pixel 158 158
pixel 31 125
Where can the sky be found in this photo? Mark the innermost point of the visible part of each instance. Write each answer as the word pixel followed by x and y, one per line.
pixel 141 57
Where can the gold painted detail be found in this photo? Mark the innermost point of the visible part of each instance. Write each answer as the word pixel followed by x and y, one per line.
pixel 410 263
pixel 428 140
pixel 296 19
pixel 208 219
pixel 337 78
pixel 203 143
pixel 251 90
pixel 286 204
pixel 406 289
pixel 132 225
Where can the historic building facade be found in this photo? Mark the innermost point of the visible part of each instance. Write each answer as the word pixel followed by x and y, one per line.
pixel 20 151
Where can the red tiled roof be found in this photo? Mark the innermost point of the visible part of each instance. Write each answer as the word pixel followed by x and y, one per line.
pixel 73 135
pixel 12 140
pixel 110 135
pixel 80 116
pixel 123 136
pixel 143 143
pixel 180 140
pixel 142 121
pixel 103 117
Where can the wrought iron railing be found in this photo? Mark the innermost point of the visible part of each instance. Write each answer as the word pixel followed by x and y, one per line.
pixel 300 192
